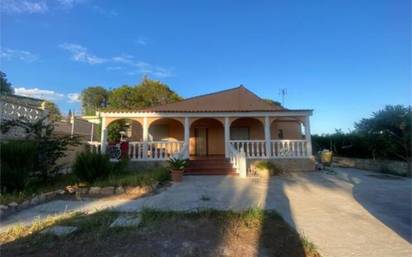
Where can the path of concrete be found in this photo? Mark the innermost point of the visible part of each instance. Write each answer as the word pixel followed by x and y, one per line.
pixel 345 213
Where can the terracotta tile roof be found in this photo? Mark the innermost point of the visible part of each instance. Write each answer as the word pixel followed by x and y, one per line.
pixel 238 99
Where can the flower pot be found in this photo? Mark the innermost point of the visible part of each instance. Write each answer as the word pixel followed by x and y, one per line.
pixel 176 175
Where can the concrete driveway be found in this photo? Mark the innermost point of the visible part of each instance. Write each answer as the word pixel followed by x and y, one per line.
pixel 345 213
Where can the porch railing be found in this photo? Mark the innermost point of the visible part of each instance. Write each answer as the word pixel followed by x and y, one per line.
pixel 238 160
pixel 144 151
pixel 256 149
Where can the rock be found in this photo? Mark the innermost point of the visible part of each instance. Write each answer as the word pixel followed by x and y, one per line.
pixel 133 190
pixel 59 230
pixel 71 189
pixel 3 207
pixel 47 196
pixel 13 205
pixel 154 185
pixel 107 190
pixel 126 221
pixel 146 189
pixel 82 190
pixel 35 200
pixel 25 204
pixel 60 192
pixel 119 190
pixel 94 190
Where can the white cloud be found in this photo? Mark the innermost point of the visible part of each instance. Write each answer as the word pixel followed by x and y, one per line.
pixel 14 54
pixel 81 54
pixel 141 41
pixel 73 98
pixel 39 93
pixel 121 62
pixel 23 6
pixel 47 94
pixel 101 11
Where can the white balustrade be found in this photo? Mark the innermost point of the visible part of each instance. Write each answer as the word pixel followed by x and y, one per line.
pixel 238 160
pixel 288 149
pixel 95 146
pixel 256 149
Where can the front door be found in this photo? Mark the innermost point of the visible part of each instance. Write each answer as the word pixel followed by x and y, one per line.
pixel 201 141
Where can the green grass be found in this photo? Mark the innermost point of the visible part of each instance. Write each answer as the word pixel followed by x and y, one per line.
pixel 134 178
pixel 37 186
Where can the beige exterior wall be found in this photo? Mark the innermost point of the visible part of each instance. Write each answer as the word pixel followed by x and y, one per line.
pixel 255 126
pixel 291 129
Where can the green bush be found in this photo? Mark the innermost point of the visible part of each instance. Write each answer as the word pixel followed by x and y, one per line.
pixel 17 162
pixel 134 178
pixel 266 169
pixel 90 166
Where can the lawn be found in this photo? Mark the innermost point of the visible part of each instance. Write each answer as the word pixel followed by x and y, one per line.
pixel 204 233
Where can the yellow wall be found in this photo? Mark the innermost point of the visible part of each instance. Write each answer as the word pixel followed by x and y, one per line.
pixel 291 129
pixel 216 144
pixel 256 129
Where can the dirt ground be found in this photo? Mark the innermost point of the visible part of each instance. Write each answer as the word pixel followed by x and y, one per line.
pixel 208 233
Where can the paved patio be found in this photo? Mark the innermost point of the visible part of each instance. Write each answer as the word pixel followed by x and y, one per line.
pixel 345 213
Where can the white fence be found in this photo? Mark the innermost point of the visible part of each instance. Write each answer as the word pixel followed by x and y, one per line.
pixel 256 149
pixel 144 151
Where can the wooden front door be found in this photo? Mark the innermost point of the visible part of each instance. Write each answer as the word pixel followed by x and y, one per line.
pixel 201 141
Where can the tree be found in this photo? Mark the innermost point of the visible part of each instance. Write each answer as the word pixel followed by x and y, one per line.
pixel 5 85
pixel 389 132
pixel 125 98
pixel 93 98
pixel 147 93
pixel 153 92
pixel 54 112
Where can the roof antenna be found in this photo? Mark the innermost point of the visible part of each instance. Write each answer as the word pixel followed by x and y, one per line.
pixel 283 92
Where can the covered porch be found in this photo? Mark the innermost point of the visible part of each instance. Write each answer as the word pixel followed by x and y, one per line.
pixel 159 136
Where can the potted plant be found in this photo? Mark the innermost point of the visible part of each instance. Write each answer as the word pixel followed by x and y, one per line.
pixel 177 167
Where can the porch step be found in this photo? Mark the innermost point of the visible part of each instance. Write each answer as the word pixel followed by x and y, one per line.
pixel 212 166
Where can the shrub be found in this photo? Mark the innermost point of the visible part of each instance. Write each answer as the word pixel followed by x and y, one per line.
pixel 17 162
pixel 178 164
pixel 266 169
pixel 90 166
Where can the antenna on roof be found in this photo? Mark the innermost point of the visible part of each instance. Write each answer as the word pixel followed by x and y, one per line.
pixel 283 92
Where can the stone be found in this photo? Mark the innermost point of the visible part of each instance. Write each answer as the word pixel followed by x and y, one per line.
pixel 154 185
pixel 60 192
pixel 82 190
pixel 71 189
pixel 106 190
pixel 119 190
pixel 94 190
pixel 13 204
pixel 25 204
pixel 3 207
pixel 35 200
pixel 133 190
pixel 59 230
pixel 126 221
pixel 48 195
pixel 146 189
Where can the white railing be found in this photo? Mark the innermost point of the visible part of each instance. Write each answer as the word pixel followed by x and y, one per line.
pixel 95 146
pixel 145 151
pixel 155 150
pixel 256 149
pixel 253 149
pixel 238 160
pixel 288 149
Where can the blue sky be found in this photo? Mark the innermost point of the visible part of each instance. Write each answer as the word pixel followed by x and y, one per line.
pixel 344 59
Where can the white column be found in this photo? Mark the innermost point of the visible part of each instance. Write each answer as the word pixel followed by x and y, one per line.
pixel 145 137
pixel 103 137
pixel 308 137
pixel 267 136
pixel 186 136
pixel 227 136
